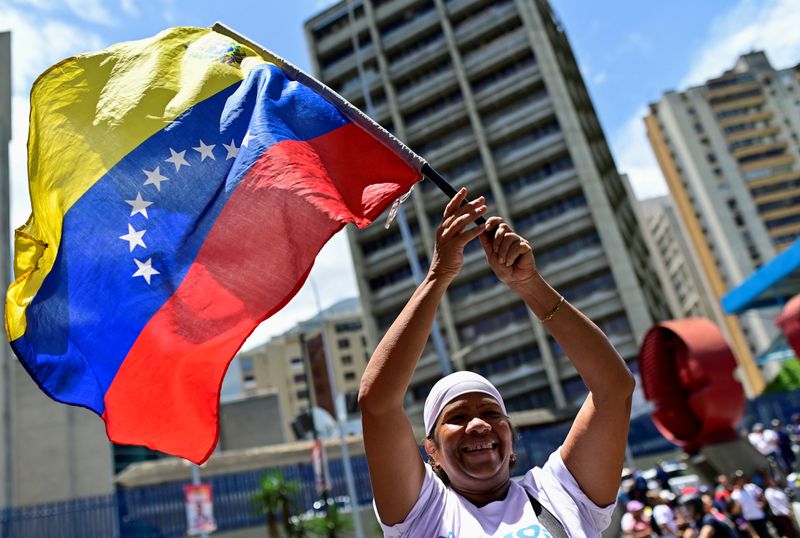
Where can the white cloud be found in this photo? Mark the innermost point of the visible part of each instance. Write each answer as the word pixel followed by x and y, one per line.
pixel 20 201
pixel 38 42
pixel 749 25
pixel 92 11
pixel 635 157
pixel 129 8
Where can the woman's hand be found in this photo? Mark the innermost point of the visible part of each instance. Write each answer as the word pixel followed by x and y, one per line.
pixel 453 235
pixel 510 255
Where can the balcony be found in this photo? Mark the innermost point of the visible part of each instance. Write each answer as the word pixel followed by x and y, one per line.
pixel 517 335
pixel 428 368
pixel 337 39
pixel 569 269
pixel 393 295
pixel 382 260
pixel 419 59
pixel 387 10
pixel 505 89
pixel 517 118
pixel 456 7
pixel 485 22
pixel 529 159
pixel 431 125
pixel 546 145
pixel 568 223
pixel 348 63
pixel 519 380
pixel 453 151
pixel 481 60
pixel 428 90
pixel 410 31
pixel 555 186
pixel 500 298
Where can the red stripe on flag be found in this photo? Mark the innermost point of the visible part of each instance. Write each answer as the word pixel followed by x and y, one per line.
pixel 254 260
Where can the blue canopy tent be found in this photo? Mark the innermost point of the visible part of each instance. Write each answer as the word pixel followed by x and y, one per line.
pixel 773 284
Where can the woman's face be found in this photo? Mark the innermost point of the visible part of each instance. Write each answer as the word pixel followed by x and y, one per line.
pixel 473 442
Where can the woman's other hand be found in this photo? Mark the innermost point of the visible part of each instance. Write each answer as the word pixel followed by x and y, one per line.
pixel 454 233
pixel 509 254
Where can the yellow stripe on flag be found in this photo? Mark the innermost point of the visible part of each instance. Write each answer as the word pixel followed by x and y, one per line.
pixel 88 112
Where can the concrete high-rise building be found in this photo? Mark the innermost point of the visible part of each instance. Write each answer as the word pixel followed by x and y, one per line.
pixel 684 285
pixel 5 266
pixel 281 366
pixel 490 94
pixel 729 151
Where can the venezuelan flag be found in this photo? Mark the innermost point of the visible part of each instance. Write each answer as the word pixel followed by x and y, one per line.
pixel 181 187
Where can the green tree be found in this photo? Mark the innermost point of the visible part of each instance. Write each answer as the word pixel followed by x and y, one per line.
pixel 276 496
pixel 331 524
pixel 787 379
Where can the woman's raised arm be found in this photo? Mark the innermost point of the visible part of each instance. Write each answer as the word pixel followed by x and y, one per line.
pixel 594 450
pixel 395 464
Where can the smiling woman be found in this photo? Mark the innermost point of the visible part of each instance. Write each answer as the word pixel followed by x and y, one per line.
pixel 466 490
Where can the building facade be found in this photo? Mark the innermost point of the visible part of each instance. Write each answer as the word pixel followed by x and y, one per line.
pixel 490 94
pixel 729 151
pixel 281 365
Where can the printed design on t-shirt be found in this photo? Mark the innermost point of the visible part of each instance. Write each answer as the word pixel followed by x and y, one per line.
pixel 530 531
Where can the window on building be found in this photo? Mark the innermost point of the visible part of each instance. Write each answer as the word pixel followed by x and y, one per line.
pixel 349 376
pixel 299 378
pixel 348 326
pixel 347 359
pixel 247 364
pixel 343 343
pixel 296 362
pixel 302 394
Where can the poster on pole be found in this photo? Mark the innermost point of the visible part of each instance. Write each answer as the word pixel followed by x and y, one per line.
pixel 319 458
pixel 199 509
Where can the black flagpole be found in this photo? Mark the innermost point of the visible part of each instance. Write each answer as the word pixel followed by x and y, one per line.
pixel 428 171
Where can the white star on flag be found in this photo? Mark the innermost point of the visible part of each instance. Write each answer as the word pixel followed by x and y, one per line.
pixel 145 269
pixel 134 238
pixel 205 151
pixel 233 151
pixel 247 138
pixel 155 177
pixel 139 205
pixel 177 158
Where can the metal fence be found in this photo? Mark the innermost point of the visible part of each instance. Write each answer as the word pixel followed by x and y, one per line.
pixel 158 511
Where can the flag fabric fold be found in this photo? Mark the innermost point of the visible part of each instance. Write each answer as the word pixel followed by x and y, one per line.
pixel 181 187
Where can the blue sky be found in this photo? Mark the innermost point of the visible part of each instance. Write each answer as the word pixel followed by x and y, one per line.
pixel 629 52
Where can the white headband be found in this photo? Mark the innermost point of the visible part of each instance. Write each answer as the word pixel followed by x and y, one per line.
pixel 451 387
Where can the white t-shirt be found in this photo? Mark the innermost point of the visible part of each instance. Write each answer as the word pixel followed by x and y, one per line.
pixel 440 512
pixel 778 502
pixel 746 497
pixel 664 515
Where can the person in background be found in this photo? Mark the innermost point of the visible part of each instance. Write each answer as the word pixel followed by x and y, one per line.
pixel 635 522
pixel 703 524
pixel 784 446
pixel 749 500
pixel 780 509
pixel 664 515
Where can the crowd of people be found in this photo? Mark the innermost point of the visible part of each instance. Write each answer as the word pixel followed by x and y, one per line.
pixel 759 506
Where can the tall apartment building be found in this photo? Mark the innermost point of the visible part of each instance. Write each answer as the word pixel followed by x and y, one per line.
pixel 684 285
pixel 280 366
pixel 6 465
pixel 729 151
pixel 489 93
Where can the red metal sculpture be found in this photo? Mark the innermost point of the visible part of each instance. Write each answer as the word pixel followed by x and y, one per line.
pixel 687 369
